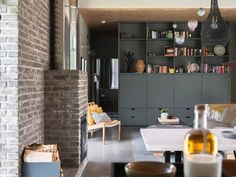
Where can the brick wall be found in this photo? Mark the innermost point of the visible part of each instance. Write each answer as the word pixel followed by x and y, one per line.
pixel 24 56
pixel 33 59
pixel 8 89
pixel 65 104
pixel 58 35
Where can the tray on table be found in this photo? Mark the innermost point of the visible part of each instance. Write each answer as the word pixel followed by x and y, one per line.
pixel 117 170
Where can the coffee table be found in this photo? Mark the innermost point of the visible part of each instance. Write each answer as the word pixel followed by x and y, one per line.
pixel 172 140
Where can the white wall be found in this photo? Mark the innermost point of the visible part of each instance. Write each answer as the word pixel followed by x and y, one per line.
pixel 154 3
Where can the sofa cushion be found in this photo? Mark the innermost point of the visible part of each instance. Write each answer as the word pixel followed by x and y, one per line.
pixel 216 124
pixel 100 117
pixel 217 111
pixel 229 115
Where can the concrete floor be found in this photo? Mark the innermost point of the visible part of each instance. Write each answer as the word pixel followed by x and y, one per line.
pixel 100 156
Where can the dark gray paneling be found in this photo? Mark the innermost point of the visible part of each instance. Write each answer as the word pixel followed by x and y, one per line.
pixel 187 90
pixel 136 30
pixel 186 115
pixel 160 91
pixel 132 91
pixel 105 47
pixel 215 88
pixel 233 57
pixel 133 116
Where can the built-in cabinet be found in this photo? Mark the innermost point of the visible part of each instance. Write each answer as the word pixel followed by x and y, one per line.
pixel 143 95
pixel 216 88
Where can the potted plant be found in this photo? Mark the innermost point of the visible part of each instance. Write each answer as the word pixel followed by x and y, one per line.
pixel 164 113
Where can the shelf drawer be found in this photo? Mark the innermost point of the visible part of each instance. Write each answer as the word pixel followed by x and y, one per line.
pixel 186 115
pixel 132 116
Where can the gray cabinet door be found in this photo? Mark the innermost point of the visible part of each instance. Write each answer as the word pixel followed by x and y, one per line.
pixel 216 88
pixel 160 91
pixel 132 116
pixel 132 92
pixel 186 115
pixel 188 90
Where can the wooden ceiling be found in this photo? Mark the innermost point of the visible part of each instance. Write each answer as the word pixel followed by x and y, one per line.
pixel 93 17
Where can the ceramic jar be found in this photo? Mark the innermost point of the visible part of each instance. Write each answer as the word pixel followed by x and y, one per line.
pixel 170 34
pixel 140 66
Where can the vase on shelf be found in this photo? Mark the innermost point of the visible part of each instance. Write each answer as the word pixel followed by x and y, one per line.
pixel 139 66
pixel 129 62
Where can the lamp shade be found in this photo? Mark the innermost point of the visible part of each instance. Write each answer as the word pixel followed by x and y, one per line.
pixel 192 25
pixel 214 31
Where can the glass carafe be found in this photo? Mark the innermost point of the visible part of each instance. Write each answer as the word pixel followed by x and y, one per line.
pixel 200 140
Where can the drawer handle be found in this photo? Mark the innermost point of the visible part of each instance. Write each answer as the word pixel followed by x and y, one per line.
pixel 188 109
pixel 187 117
pixel 132 117
pixel 132 108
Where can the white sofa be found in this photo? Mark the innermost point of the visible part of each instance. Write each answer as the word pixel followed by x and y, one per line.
pixel 221 115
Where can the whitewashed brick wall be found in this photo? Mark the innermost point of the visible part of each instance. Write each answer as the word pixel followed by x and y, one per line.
pixel 9 157
pixel 24 55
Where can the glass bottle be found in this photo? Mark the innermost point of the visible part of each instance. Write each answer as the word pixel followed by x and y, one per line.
pixel 200 140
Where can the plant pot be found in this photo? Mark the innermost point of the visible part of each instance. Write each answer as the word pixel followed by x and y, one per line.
pixel 140 66
pixel 164 115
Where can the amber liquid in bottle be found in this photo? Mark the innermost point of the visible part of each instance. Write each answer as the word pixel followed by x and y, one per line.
pixel 200 140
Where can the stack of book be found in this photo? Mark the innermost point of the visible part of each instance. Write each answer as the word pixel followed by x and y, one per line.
pixel 184 51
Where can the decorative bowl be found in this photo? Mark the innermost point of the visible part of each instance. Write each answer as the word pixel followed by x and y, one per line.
pixel 179 40
pixel 194 68
pixel 150 169
pixel 229 134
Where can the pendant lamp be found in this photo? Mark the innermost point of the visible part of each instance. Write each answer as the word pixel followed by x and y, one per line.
pixel 214 31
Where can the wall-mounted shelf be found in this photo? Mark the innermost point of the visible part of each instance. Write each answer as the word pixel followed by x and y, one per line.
pixel 132 39
pixel 141 95
pixel 153 49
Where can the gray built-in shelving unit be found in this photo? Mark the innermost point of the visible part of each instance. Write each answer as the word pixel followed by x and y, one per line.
pixel 141 96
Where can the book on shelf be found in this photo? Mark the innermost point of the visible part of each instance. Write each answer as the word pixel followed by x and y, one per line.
pixel 184 51
pixel 220 69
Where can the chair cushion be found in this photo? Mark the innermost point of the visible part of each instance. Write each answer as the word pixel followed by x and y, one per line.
pixel 100 117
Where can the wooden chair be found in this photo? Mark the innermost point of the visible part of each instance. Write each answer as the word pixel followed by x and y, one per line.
pixel 103 126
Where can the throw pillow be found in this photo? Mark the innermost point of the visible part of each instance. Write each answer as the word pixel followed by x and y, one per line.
pixel 90 120
pixel 100 117
pixel 215 115
pixel 229 115
pixel 217 110
pixel 99 110
pixel 93 108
